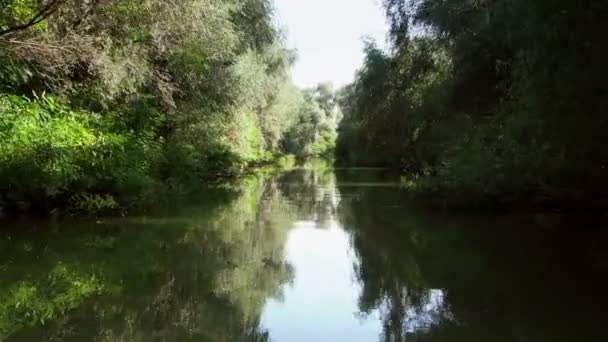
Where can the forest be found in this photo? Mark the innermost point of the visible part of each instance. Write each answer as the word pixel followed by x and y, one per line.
pixel 491 103
pixel 104 105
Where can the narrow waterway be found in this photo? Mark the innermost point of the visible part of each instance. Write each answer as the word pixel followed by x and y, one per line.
pixel 312 254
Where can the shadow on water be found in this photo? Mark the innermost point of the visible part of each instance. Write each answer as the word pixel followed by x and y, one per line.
pixel 206 268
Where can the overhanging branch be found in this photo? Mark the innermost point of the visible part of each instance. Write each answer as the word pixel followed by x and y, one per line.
pixel 44 13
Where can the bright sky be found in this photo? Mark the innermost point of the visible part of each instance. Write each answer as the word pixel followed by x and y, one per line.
pixel 328 36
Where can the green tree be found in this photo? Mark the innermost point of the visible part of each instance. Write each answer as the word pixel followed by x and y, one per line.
pixel 194 90
pixel 489 102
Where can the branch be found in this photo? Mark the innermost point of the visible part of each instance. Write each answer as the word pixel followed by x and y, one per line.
pixel 44 13
pixel 66 48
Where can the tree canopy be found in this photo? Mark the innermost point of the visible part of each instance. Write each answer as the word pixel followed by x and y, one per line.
pixel 485 100
pixel 164 93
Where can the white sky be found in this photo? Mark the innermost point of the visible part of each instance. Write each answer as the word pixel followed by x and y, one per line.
pixel 328 36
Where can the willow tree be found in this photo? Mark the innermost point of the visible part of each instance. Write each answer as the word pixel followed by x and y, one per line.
pixel 485 100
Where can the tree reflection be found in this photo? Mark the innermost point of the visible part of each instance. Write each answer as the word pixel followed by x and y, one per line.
pixel 312 190
pixel 436 276
pixel 388 250
pixel 204 269
pixel 202 273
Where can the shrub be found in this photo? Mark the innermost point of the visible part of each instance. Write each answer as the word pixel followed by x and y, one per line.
pixel 50 153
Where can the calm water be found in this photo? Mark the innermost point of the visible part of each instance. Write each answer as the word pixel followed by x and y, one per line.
pixel 308 255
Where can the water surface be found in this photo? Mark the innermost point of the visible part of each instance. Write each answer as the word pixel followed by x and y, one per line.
pixel 312 254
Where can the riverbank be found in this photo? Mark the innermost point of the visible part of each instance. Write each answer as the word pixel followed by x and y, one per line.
pixel 431 192
pixel 441 192
pixel 490 108
pixel 107 118
pixel 55 160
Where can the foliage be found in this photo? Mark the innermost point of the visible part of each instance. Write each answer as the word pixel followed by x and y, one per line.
pixel 50 154
pixel 484 101
pixel 138 94
pixel 313 134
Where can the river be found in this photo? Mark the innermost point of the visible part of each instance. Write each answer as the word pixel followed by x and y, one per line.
pixel 311 254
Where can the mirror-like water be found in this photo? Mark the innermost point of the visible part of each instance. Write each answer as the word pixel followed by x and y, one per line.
pixel 308 255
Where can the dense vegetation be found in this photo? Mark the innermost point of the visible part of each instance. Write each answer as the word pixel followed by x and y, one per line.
pixel 489 101
pixel 105 103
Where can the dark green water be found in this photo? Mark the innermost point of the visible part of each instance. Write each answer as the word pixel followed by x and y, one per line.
pixel 307 255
